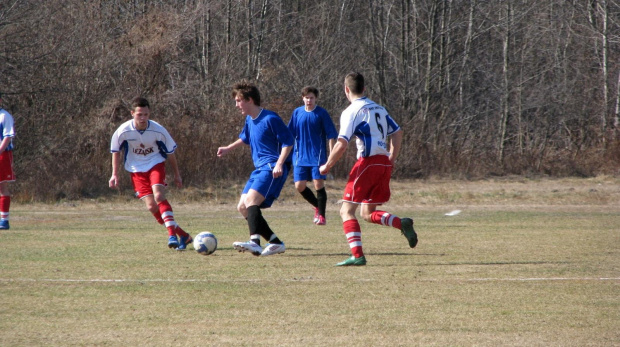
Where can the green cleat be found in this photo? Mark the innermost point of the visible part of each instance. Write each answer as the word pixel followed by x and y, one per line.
pixel 406 228
pixel 353 261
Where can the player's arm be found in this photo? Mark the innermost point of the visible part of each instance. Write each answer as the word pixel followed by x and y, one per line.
pixel 396 140
pixel 331 143
pixel 336 153
pixel 172 159
pixel 5 143
pixel 221 151
pixel 277 170
pixel 116 163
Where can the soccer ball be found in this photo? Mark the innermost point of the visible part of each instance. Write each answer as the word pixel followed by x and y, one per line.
pixel 205 243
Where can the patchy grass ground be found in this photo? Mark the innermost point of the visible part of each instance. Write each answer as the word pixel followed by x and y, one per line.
pixel 526 263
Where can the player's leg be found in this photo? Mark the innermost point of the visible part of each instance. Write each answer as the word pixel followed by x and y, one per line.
pixel 268 187
pixel 144 191
pixel 151 205
pixel 353 233
pixel 5 204
pixel 246 201
pixel 260 192
pixel 301 175
pixel 8 175
pixel 157 179
pixel 375 184
pixel 254 237
pixel 405 225
pixel 321 197
pixel 167 215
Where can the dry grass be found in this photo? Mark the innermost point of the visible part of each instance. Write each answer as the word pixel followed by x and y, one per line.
pixel 527 263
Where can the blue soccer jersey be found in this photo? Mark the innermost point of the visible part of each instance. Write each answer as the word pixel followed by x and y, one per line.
pixel 311 130
pixel 371 124
pixel 266 135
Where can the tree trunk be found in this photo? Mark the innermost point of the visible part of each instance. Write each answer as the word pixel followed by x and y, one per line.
pixel 505 89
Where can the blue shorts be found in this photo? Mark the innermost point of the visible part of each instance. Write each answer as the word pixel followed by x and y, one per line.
pixel 263 182
pixel 307 173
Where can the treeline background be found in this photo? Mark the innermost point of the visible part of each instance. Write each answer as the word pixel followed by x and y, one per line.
pixel 481 88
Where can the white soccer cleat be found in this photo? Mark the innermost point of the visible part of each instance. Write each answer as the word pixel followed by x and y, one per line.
pixel 249 246
pixel 273 248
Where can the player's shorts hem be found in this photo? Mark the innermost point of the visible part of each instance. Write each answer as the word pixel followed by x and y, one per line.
pixel 364 202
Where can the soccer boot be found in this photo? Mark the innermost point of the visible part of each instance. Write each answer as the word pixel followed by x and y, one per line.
pixel 353 261
pixel 173 242
pixel 273 248
pixel 4 224
pixel 184 241
pixel 406 228
pixel 249 246
pixel 321 221
pixel 316 215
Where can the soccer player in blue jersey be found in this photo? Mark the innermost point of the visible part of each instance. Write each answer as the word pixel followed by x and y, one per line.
pixel 271 143
pixel 378 142
pixel 312 128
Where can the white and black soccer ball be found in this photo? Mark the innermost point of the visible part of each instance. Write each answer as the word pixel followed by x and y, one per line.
pixel 205 243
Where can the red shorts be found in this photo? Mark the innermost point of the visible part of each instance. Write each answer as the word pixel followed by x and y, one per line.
pixel 6 167
pixel 369 181
pixel 143 182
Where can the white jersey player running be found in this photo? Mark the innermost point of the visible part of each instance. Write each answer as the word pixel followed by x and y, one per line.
pixel 370 123
pixel 378 141
pixel 133 143
pixel 146 146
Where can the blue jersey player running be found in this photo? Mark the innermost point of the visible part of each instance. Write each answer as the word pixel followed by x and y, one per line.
pixel 271 143
pixel 312 128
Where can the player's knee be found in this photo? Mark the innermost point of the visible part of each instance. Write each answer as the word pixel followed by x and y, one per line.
pixel 153 207
pixel 366 216
pixel 301 186
pixel 159 197
pixel 241 208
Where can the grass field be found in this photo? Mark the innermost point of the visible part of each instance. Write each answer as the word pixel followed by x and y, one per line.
pixel 527 263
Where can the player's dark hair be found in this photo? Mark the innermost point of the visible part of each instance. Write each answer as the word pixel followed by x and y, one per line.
pixel 139 102
pixel 308 89
pixel 355 82
pixel 247 91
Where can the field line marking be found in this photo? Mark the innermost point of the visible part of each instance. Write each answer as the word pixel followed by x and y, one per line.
pixel 164 280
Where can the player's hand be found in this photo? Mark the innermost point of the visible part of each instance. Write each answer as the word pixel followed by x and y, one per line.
pixel 277 171
pixel 323 169
pixel 113 182
pixel 221 151
pixel 178 181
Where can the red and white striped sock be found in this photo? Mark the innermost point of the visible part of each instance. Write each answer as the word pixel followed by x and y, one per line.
pixel 385 218
pixel 168 216
pixel 353 232
pixel 5 204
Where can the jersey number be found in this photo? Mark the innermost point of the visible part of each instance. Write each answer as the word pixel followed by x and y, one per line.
pixel 380 125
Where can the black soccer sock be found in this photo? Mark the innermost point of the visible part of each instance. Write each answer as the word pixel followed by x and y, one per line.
pixel 255 218
pixel 309 196
pixel 321 197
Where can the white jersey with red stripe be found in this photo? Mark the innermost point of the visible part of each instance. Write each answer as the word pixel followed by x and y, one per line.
pixel 142 149
pixel 371 124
